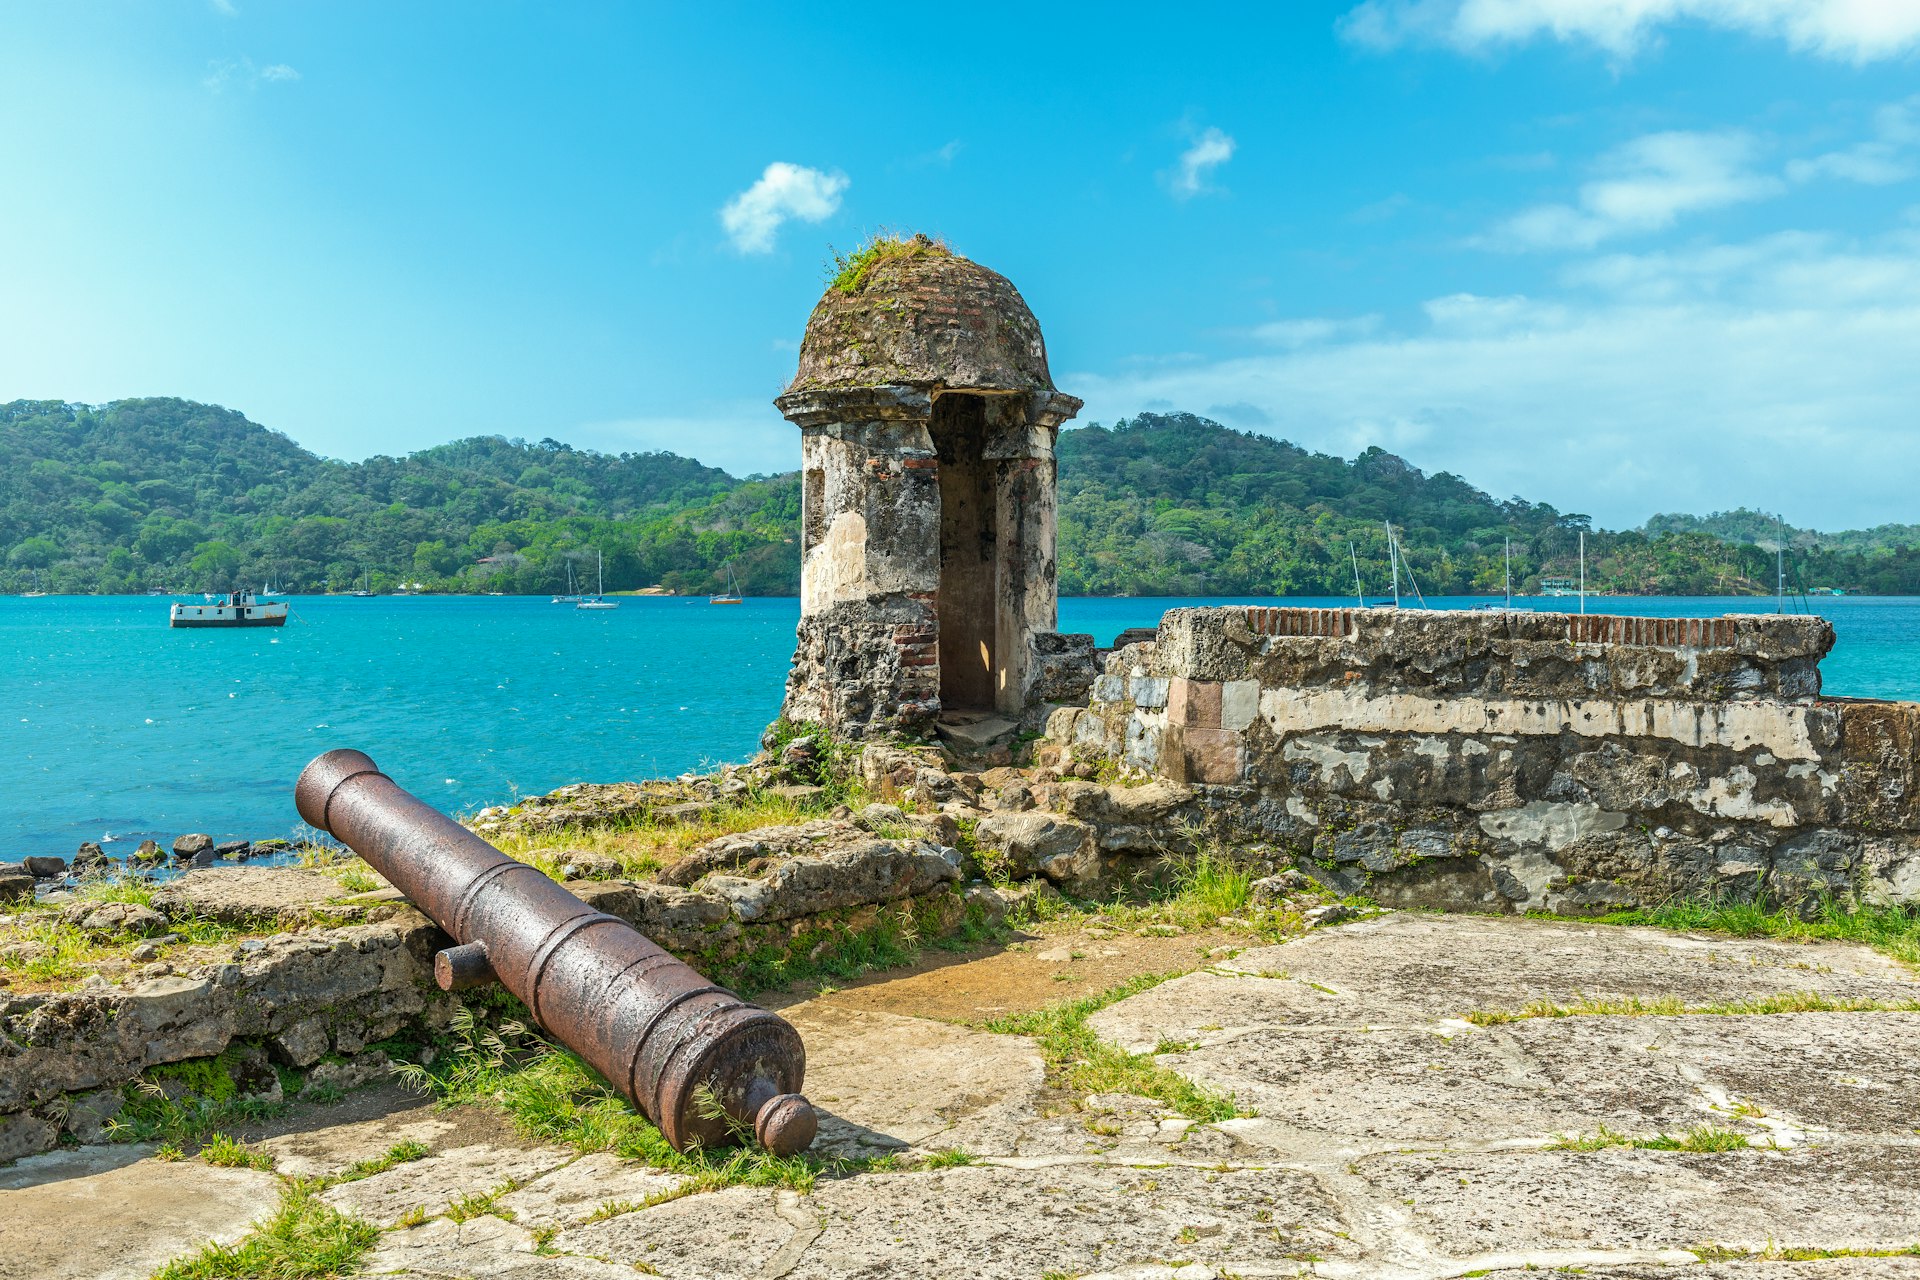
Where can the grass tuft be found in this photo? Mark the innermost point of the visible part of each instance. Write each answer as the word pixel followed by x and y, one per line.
pixel 1704 1137
pixel 188 1102
pixel 1673 1006
pixel 1893 930
pixel 947 1158
pixel 1778 1253
pixel 1079 1060
pixel 304 1239
pixel 37 946
pixel 397 1154
pixel 1204 889
pixel 849 272
pixel 478 1203
pixel 229 1153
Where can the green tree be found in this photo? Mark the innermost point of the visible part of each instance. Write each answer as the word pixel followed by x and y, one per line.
pixel 34 553
pixel 215 567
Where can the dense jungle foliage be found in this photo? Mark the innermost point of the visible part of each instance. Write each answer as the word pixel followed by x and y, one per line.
pixel 166 494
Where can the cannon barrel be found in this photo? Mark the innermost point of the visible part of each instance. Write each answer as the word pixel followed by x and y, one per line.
pixel 675 1044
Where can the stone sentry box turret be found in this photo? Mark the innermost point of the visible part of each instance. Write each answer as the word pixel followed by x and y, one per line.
pixel 928 420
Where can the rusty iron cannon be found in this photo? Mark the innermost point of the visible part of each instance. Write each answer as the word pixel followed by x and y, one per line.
pixel 701 1063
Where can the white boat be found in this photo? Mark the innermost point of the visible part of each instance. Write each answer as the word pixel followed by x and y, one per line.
pixel 598 599
pixel 573 596
pixel 731 595
pixel 234 609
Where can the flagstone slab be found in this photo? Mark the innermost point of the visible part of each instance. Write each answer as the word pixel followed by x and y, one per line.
pixel 432 1184
pixel 592 1184
pixel 884 1082
pixel 114 1213
pixel 1840 1196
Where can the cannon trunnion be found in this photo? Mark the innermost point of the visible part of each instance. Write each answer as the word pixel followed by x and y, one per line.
pixel 701 1063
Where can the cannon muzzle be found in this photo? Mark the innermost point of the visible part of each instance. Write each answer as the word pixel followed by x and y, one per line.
pixel 701 1063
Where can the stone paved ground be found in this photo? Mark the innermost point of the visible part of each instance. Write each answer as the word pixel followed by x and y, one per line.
pixel 1394 1138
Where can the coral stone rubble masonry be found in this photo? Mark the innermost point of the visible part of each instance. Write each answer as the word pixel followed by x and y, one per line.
pixel 1518 761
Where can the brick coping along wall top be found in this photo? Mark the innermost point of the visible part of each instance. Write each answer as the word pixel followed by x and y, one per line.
pixel 1508 653
pixel 1590 628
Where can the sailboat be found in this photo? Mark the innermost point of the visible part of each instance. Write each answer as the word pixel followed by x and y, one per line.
pixel 365 592
pixel 731 595
pixel 573 592
pixel 36 593
pixel 1397 560
pixel 598 599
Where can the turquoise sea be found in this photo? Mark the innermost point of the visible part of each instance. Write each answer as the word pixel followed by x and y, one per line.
pixel 114 726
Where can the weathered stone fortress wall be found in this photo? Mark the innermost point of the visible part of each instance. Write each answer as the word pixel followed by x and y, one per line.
pixel 1521 761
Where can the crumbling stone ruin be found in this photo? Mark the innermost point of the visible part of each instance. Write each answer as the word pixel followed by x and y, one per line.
pixel 1520 761
pixel 928 420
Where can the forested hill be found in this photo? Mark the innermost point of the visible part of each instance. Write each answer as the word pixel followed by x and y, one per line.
pixel 170 494
pixel 1173 504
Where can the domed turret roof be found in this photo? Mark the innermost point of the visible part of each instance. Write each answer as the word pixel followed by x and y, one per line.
pixel 914 313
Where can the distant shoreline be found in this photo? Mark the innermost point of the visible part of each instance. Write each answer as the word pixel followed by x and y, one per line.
pixel 662 593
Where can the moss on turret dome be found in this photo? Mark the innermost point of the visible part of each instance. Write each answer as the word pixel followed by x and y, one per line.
pixel 911 312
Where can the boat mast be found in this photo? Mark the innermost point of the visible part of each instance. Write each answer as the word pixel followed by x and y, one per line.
pixel 1354 556
pixel 1583 571
pixel 1780 565
pixel 1393 558
pixel 1507 575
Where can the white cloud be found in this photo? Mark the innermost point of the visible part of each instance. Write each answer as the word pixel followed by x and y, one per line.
pixel 1313 330
pixel 942 155
pixel 784 191
pixel 1879 161
pixel 1645 185
pixel 1210 149
pixel 1848 30
pixel 227 73
pixel 1875 164
pixel 1777 373
pixel 225 8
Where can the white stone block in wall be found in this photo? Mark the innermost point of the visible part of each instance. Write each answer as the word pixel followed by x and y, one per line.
pixel 1149 692
pixel 1142 750
pixel 1089 730
pixel 1239 704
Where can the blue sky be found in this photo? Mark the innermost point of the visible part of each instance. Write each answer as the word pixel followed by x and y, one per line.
pixel 1624 256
